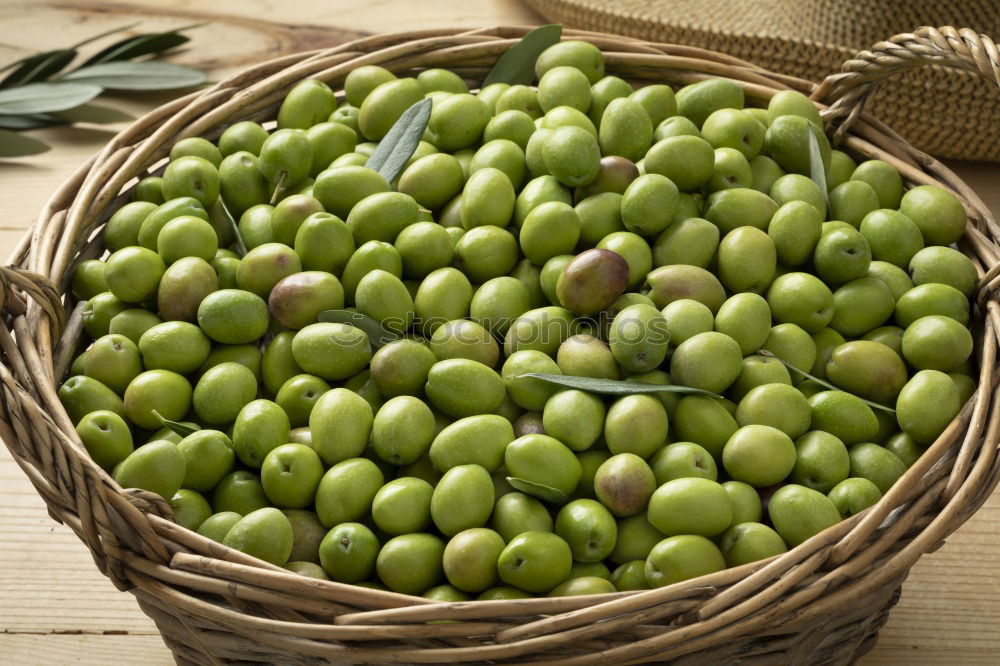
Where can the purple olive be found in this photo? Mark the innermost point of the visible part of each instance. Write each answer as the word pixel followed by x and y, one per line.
pixel 624 484
pixel 592 281
pixel 298 299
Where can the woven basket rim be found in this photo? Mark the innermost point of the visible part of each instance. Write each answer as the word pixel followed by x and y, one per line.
pixel 134 544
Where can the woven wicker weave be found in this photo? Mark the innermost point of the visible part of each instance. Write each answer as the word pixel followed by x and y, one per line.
pixel 939 112
pixel 822 602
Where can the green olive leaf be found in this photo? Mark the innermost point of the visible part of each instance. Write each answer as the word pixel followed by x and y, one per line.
pixel 181 429
pixel 143 75
pixel 517 64
pixel 816 171
pixel 396 148
pixel 45 97
pixel 241 246
pixel 279 188
pixel 615 386
pixel 38 67
pixel 539 490
pixel 140 45
pixel 822 382
pixel 31 121
pixel 378 335
pixel 13 144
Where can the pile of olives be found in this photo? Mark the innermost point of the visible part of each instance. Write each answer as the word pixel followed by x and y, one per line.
pixel 336 373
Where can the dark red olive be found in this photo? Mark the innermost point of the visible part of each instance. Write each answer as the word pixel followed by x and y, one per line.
pixel 624 484
pixel 298 299
pixel 592 281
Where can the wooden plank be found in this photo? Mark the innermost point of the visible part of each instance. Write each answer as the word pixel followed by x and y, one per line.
pixel 921 655
pixel 364 15
pixel 84 649
pixel 949 605
pixel 9 238
pixel 48 581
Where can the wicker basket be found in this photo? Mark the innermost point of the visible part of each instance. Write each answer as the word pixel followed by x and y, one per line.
pixel 822 602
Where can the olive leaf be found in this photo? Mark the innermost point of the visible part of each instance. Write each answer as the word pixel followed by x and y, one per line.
pixel 517 64
pixel 30 121
pixel 241 246
pixel 816 171
pixel 32 97
pixel 38 67
pixel 181 429
pixel 378 335
pixel 140 45
pixel 539 490
pixel 615 386
pixel 279 188
pixel 45 97
pixel 393 152
pixel 824 383
pixel 93 114
pixel 41 66
pixel 143 75
pixel 13 144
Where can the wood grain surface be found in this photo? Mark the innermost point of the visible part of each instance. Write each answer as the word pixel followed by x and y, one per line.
pixel 54 605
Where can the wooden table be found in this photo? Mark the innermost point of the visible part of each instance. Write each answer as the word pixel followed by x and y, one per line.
pixel 56 608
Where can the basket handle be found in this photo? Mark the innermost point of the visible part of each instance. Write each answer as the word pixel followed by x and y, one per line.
pixel 847 92
pixel 72 486
pixel 35 286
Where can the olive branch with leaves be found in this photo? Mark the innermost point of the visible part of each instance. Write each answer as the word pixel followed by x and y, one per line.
pixel 46 89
